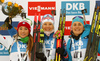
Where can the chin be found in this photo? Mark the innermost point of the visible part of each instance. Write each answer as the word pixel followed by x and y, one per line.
pixel 22 37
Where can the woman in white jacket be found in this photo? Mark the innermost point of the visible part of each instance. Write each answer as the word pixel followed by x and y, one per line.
pixel 20 48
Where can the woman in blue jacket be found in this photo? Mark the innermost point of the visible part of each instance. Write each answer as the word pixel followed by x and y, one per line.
pixel 77 44
pixel 49 45
pixel 21 46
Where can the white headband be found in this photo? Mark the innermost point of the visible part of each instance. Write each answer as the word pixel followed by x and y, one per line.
pixel 48 20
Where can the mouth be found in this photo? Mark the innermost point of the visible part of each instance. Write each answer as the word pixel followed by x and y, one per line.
pixel 47 29
pixel 77 29
pixel 23 34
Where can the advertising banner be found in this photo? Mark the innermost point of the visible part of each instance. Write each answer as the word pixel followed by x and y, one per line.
pixel 41 7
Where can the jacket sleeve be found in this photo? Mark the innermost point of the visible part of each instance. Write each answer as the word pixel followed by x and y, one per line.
pixel 6 41
pixel 99 47
pixel 12 31
pixel 65 55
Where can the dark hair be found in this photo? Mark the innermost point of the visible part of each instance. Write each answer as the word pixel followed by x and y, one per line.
pixel 29 45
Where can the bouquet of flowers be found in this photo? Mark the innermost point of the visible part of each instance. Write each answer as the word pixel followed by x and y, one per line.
pixel 14 9
pixel 1 1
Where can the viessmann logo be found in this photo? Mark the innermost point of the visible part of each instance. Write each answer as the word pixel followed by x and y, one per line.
pixel 41 7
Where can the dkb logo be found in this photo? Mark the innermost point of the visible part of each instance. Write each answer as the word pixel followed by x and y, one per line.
pixel 75 7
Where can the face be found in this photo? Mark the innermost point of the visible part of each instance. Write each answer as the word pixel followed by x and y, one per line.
pixel 77 28
pixel 47 26
pixel 23 31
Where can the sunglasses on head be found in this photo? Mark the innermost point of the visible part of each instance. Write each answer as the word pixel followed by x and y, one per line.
pixel 48 16
pixel 78 16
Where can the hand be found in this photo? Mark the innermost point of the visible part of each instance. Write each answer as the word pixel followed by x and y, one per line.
pixel 8 22
pixel 60 51
pixel 40 56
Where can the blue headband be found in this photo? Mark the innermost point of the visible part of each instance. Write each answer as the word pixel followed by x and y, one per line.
pixel 78 19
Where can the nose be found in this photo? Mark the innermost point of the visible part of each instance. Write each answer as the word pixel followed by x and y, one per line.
pixel 47 25
pixel 23 31
pixel 77 26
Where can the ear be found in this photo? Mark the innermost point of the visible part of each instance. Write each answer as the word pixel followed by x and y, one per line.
pixel 83 28
pixel 71 28
pixel 53 27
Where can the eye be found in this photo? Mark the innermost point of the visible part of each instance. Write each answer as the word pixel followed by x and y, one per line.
pixel 74 24
pixel 79 24
pixel 20 28
pixel 45 24
pixel 50 24
pixel 26 28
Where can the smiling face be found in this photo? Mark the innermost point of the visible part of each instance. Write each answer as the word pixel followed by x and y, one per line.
pixel 77 28
pixel 23 31
pixel 47 26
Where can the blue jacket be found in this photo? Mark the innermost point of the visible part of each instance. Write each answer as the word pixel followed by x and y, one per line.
pixel 14 49
pixel 84 39
pixel 47 42
pixel 12 32
pixel 50 46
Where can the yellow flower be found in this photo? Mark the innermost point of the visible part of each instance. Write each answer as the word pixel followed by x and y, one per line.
pixel 2 1
pixel 16 5
pixel 20 7
pixel 9 3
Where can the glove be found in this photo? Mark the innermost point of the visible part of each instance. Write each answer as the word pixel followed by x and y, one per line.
pixel 23 15
pixel 60 51
pixel 8 22
pixel 40 56
pixel 57 33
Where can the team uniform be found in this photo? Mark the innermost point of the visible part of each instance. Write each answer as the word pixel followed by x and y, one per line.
pixel 17 49
pixel 76 49
pixel 49 47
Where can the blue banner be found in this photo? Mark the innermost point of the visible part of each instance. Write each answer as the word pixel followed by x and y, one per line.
pixel 3 51
pixel 3 31
pixel 75 7
pixel 98 4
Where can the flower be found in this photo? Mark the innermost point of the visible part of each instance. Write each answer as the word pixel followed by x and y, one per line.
pixel 9 3
pixel 16 5
pixel 14 9
pixel 20 7
pixel 2 1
